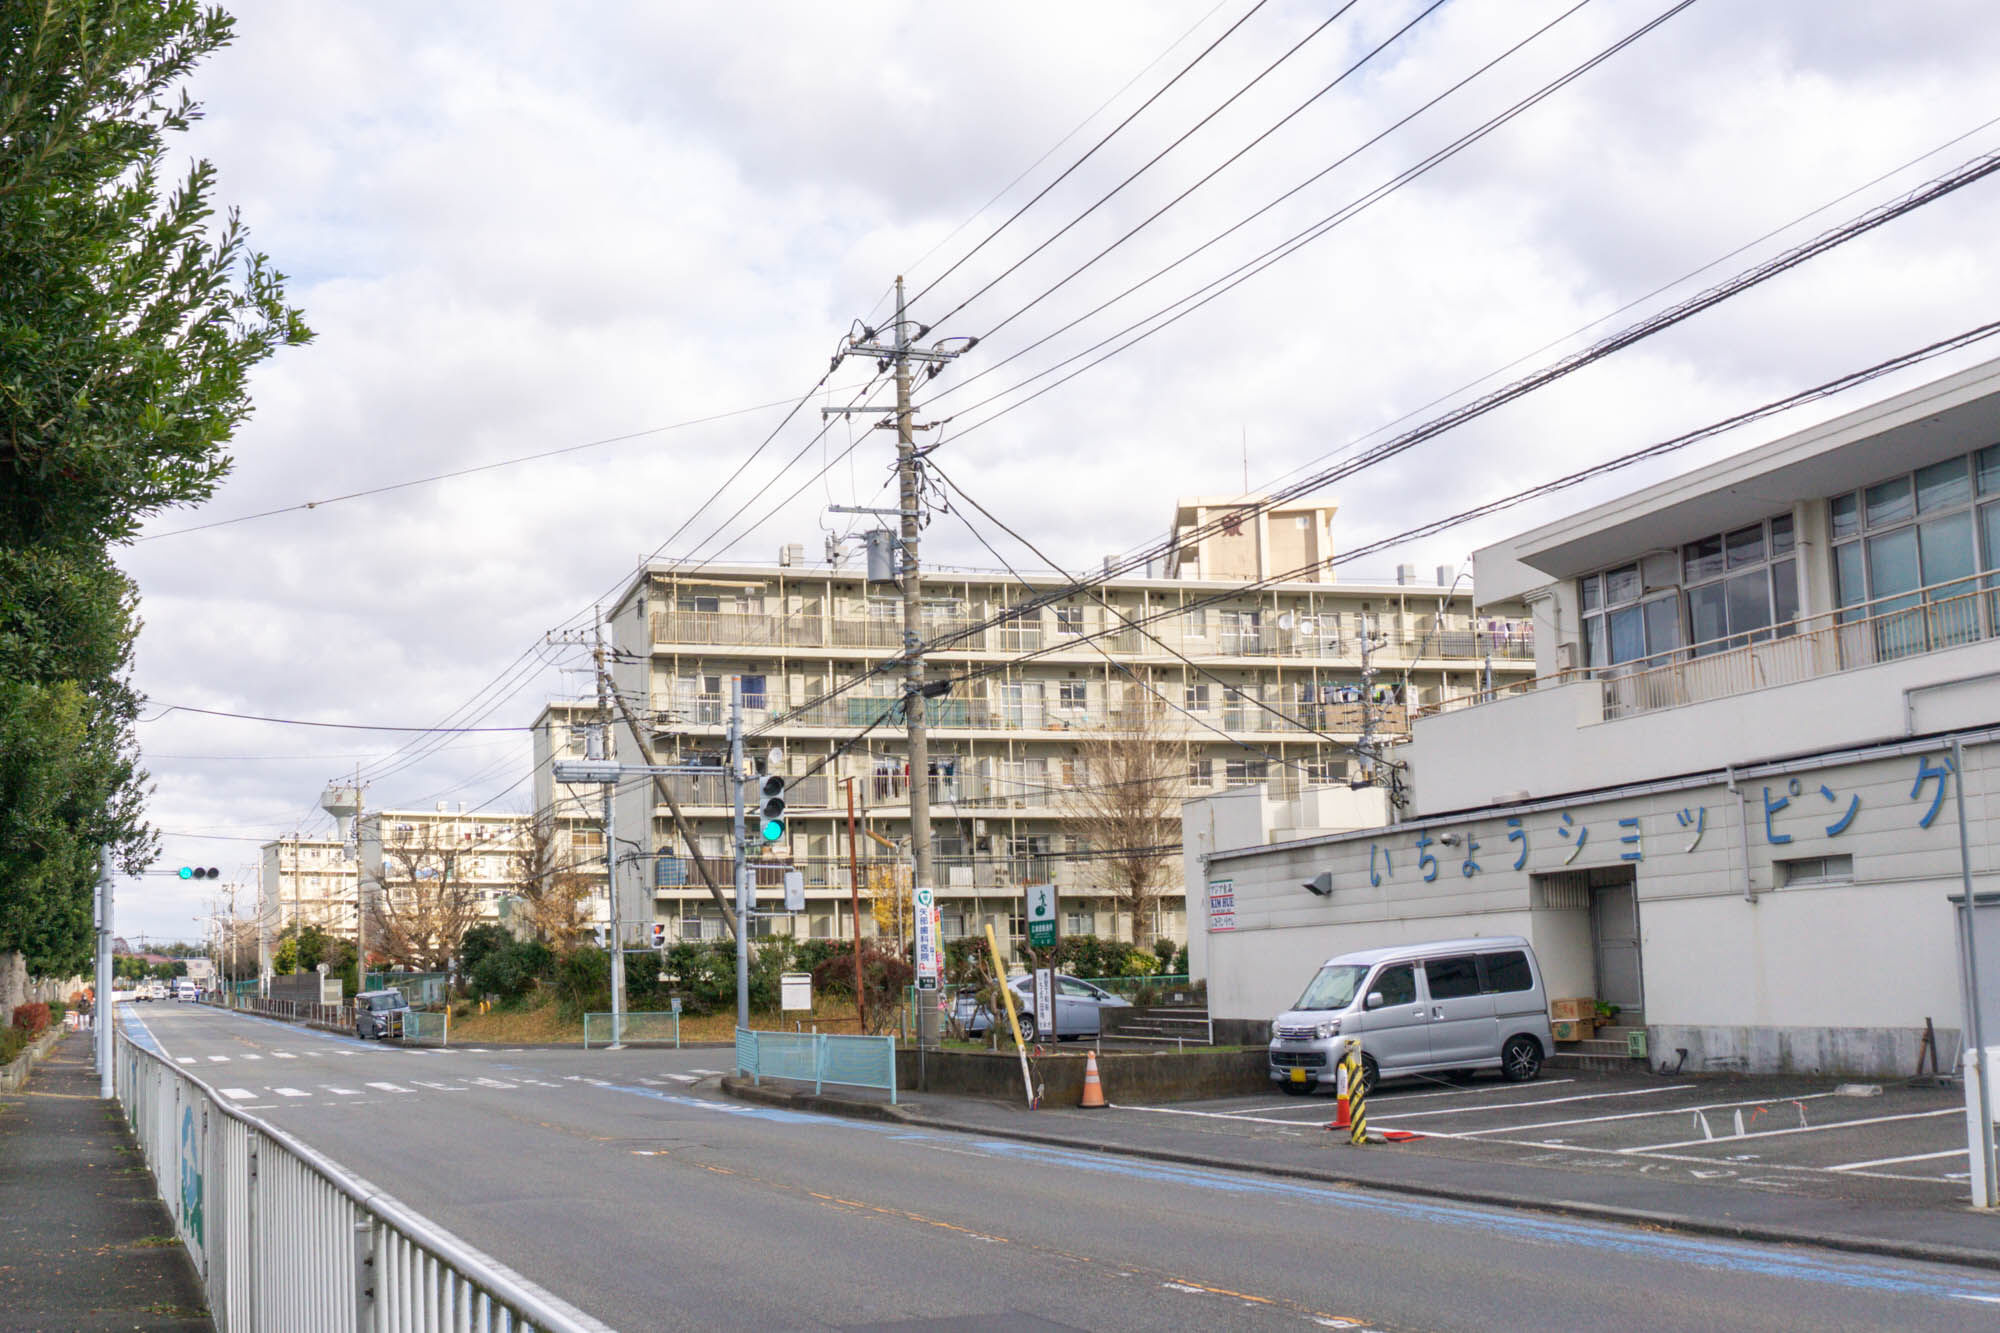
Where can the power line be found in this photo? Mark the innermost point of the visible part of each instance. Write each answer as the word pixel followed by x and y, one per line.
pixel 1088 153
pixel 1231 230
pixel 1151 162
pixel 303 722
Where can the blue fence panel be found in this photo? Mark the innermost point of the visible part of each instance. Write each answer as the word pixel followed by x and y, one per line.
pixel 819 1058
pixel 746 1052
pixel 788 1055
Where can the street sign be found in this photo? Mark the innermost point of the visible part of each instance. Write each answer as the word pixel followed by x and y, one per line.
pixel 1041 916
pixel 925 900
pixel 676 1002
pixel 795 990
pixel 795 891
pixel 585 770
pixel 1045 999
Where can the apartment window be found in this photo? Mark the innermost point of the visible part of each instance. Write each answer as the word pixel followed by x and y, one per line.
pixel 1201 772
pixel 885 608
pixel 754 696
pixel 1073 694
pixel 1242 772
pixel 1079 923
pixel 1069 620
pixel 1740 585
pixel 1195 697
pixel 1806 870
pixel 1242 631
pixel 1919 539
pixel 1197 623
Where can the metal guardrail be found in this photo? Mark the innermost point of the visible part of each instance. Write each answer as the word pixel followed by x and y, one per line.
pixel 652 1026
pixel 282 1237
pixel 818 1058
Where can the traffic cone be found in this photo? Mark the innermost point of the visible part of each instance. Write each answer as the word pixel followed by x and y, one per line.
pixel 1093 1089
pixel 1341 1108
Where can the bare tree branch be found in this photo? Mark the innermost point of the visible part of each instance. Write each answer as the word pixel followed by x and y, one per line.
pixel 1127 804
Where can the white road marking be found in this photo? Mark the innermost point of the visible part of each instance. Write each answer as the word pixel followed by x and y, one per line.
pixel 238 1094
pixel 706 1073
pixel 476 1050
pixel 185 1059
pixel 437 1087
pixel 494 1083
pixel 1678 1157
pixel 653 1082
pixel 683 1078
pixel 340 1092
pixel 290 1092
pixel 1804 1129
pixel 253 1057
pixel 1892 1161
pixel 1552 1101
pixel 1642 1115
pixel 219 1059
pixel 541 1083
pixel 1217 1115
pixel 284 1055
pixel 388 1087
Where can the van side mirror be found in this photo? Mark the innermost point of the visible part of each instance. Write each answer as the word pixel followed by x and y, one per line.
pixel 1374 1000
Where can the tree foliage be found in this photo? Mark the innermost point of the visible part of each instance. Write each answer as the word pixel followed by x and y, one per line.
pixel 130 319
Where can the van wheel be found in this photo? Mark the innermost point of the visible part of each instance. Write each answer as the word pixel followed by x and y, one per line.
pixel 1521 1059
pixel 1371 1073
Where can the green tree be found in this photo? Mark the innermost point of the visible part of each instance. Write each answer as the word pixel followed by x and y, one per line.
pixel 131 319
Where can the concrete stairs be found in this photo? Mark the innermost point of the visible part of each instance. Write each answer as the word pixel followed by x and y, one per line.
pixel 1158 1025
pixel 1606 1052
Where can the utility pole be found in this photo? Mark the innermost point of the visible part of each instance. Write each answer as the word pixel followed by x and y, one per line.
pixel 610 847
pixel 101 1006
pixel 854 893
pixel 1367 698
pixel 900 351
pixel 742 863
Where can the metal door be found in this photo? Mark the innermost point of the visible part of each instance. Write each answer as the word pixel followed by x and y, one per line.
pixel 1614 940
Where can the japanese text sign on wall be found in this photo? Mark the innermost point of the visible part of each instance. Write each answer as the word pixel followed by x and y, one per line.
pixel 1221 904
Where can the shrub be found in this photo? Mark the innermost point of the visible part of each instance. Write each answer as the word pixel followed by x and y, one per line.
pixel 12 1042
pixel 583 981
pixel 478 943
pixel 511 970
pixel 32 1019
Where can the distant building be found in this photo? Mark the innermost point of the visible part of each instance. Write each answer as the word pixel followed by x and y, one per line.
pixel 1265 685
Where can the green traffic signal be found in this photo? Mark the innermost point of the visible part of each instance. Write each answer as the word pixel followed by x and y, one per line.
pixel 187 872
pixel 774 829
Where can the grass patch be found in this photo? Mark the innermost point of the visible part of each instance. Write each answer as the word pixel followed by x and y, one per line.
pixel 543 1024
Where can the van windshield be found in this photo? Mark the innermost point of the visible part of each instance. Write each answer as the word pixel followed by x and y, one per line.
pixel 1333 987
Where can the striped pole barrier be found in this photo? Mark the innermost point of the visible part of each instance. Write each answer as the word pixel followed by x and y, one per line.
pixel 1357 1094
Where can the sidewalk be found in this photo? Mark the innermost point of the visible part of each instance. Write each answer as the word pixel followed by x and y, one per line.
pixel 85 1242
pixel 1955 1234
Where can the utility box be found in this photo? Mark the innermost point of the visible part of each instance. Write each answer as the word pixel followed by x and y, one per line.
pixel 882 561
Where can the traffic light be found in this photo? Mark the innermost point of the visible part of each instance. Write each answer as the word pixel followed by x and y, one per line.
pixel 200 872
pixel 771 797
pixel 659 934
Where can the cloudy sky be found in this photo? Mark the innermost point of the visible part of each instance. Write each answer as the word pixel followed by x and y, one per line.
pixel 519 228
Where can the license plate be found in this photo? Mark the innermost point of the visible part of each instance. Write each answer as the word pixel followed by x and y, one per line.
pixel 1298 1074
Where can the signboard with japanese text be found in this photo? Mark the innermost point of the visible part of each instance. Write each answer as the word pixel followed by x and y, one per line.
pixel 1045 998
pixel 1041 916
pixel 925 899
pixel 1222 904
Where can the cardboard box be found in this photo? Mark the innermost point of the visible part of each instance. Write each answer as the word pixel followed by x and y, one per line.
pixel 1571 1029
pixel 1579 1010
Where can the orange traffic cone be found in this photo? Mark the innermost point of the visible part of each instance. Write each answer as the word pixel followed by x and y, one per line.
pixel 1093 1089
pixel 1341 1108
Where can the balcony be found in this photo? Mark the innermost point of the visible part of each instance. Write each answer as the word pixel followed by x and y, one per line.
pixel 1164 637
pixel 851 713
pixel 956 875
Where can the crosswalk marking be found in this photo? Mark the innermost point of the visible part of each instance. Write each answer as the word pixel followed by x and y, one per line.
pixel 683 1078
pixel 284 1055
pixel 252 1057
pixel 388 1087
pixel 238 1094
pixel 707 1073
pixel 340 1092
pixel 493 1083
pixel 438 1087
pixel 290 1092
pixel 185 1059
pixel 219 1059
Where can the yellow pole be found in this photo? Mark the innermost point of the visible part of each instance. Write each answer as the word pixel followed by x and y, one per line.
pixel 1007 998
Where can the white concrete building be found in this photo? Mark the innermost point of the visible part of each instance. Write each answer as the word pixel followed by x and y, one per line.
pixel 1276 690
pixel 1725 802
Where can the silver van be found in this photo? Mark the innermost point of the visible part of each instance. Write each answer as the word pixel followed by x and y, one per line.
pixel 1418 1009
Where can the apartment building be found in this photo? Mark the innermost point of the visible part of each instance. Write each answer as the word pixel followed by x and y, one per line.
pixel 412 859
pixel 1727 801
pixel 1242 686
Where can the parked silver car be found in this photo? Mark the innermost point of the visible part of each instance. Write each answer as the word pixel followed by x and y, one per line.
pixel 1421 1008
pixel 1079 1009
pixel 379 1014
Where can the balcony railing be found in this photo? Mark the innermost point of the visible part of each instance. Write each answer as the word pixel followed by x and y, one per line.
pixel 832 874
pixel 851 713
pixel 1923 620
pixel 1163 637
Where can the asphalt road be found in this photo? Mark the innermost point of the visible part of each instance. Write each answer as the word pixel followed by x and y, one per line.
pixel 622 1182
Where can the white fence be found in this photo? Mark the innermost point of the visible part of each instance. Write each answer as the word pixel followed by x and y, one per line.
pixel 285 1239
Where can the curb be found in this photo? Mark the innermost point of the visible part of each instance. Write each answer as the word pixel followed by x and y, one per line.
pixel 1680 1222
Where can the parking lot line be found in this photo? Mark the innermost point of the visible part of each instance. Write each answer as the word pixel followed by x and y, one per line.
pixel 1643 1115
pixel 1893 1161
pixel 1802 1129
pixel 1234 1118
pixel 1551 1101
pixel 1725 1164
pixel 1384 1099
